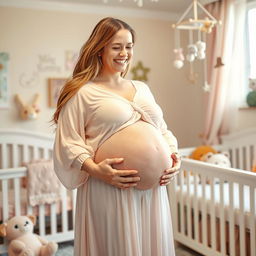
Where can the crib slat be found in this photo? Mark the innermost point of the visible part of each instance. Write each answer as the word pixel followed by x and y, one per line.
pixel 241 220
pixel 213 217
pixel 234 158
pixel 195 203
pixel 204 223
pixel 53 219
pixel 247 158
pixel 14 155
pixel 189 228
pixel 45 153
pixel 252 221
pixel 231 220
pixel 64 211
pixel 5 199
pixel 74 192
pixel 3 157
pixel 240 158
pixel 25 153
pixel 41 220
pixel 29 210
pixel 222 220
pixel 17 193
pixel 182 224
pixel 35 152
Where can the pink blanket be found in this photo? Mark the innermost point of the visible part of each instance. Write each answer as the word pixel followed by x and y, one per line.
pixel 42 184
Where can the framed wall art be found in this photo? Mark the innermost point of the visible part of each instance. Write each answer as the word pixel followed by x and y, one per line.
pixel 54 87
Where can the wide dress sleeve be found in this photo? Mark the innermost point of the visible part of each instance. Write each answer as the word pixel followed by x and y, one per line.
pixel 70 148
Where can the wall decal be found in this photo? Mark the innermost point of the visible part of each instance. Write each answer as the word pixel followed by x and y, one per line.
pixel 140 72
pixel 47 63
pixel 29 80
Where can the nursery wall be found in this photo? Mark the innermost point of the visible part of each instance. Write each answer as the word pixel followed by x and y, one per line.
pixel 37 40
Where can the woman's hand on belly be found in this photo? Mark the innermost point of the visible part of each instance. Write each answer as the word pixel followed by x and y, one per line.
pixel 170 174
pixel 105 172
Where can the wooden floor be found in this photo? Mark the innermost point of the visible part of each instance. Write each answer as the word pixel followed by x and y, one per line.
pixel 66 249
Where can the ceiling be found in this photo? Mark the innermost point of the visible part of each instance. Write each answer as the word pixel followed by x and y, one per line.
pixel 173 6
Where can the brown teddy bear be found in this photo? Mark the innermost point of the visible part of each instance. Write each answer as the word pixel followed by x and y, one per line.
pixel 22 242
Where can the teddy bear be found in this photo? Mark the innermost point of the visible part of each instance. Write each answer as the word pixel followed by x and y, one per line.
pixel 179 58
pixel 251 96
pixel 22 242
pixel 220 159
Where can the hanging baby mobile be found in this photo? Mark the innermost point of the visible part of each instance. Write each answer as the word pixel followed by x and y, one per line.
pixel 197 30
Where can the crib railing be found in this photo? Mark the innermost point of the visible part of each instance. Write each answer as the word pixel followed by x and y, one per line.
pixel 55 221
pixel 213 209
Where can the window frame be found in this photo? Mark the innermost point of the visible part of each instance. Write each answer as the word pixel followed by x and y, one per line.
pixel 250 5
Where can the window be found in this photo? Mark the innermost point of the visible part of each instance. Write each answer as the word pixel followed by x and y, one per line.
pixel 252 41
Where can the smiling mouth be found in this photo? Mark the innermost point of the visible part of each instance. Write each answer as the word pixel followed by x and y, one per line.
pixel 121 61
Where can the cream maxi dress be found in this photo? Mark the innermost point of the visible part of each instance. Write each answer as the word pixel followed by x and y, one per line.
pixel 111 221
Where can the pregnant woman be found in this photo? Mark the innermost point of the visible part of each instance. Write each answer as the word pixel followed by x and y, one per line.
pixel 113 145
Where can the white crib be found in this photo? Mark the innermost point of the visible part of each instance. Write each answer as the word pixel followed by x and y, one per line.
pixel 55 221
pixel 213 208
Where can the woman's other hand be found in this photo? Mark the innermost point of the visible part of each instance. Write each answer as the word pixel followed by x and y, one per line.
pixel 170 174
pixel 105 172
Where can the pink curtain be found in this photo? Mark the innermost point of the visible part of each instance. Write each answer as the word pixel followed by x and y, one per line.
pixel 226 41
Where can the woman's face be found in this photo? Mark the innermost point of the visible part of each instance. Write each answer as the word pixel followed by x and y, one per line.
pixel 118 53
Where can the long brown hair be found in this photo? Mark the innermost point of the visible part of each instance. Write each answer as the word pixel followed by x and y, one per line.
pixel 89 64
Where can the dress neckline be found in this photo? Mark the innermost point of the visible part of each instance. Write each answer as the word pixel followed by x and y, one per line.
pixel 115 94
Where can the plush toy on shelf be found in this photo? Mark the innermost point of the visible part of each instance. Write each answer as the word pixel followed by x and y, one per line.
pixel 251 96
pixel 22 242
pixel 179 58
pixel 28 111
pixel 220 159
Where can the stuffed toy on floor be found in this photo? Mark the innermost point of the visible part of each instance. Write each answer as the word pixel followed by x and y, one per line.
pixel 22 242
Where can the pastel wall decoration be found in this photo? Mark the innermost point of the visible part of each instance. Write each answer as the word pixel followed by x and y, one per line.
pixel 140 72
pixel 29 80
pixel 70 59
pixel 54 87
pixel 47 63
pixel 4 90
pixel 28 111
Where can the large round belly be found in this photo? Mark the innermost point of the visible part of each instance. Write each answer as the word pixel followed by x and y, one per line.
pixel 143 149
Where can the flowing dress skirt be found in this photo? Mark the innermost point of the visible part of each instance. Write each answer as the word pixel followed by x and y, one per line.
pixel 117 222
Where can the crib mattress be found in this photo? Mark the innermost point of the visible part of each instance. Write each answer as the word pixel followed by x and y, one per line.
pixel 24 204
